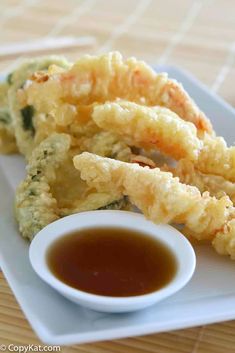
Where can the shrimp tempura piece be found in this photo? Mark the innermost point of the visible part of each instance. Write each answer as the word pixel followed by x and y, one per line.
pixel 217 158
pixel 61 98
pixel 149 128
pixel 157 127
pixel 108 77
pixel 224 241
pixel 162 198
pixel 188 174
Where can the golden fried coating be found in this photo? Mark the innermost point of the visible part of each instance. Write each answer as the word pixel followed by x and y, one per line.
pixel 35 206
pixel 7 137
pixel 106 144
pixel 149 128
pixel 177 99
pixel 104 104
pixel 160 196
pixel 20 120
pixel 224 241
pixel 4 86
pixel 188 174
pixel 217 158
pixel 53 188
pixel 107 77
pixel 62 100
pixel 157 127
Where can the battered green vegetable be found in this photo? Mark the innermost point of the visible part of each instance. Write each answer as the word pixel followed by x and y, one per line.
pixel 53 188
pixel 121 204
pixel 5 117
pixel 27 118
pixel 9 78
pixel 23 127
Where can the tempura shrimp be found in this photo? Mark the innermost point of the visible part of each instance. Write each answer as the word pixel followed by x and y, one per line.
pixel 62 100
pixel 163 199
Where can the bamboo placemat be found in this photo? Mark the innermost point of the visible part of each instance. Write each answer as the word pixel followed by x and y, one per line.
pixel 217 338
pixel 196 35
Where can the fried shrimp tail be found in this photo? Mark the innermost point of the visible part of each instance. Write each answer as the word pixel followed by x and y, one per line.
pixel 177 99
pixel 160 196
pixel 149 128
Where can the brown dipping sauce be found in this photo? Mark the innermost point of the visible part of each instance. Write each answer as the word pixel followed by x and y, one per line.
pixel 114 262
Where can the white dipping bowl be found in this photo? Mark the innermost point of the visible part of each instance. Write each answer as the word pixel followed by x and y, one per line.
pixel 173 239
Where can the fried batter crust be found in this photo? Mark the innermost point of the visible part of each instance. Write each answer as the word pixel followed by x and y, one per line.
pixel 157 127
pixel 53 187
pixel 224 241
pixel 217 158
pixel 216 185
pixel 106 144
pixel 149 128
pixel 162 198
pixel 22 133
pixel 63 100
pixel 7 137
pixel 109 76
pixel 35 206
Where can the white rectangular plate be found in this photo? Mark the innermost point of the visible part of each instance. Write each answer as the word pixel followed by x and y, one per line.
pixel 209 297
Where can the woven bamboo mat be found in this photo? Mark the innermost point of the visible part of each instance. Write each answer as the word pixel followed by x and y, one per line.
pixel 217 338
pixel 196 35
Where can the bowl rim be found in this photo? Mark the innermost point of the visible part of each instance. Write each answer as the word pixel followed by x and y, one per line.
pixel 182 249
